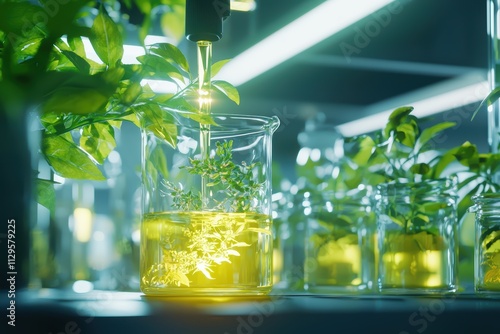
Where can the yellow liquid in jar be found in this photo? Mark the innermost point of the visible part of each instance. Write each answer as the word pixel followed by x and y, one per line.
pixel 416 261
pixel 489 263
pixel 206 253
pixel 337 263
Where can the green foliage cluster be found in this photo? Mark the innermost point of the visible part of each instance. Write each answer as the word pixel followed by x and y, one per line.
pixel 80 102
pixel 405 152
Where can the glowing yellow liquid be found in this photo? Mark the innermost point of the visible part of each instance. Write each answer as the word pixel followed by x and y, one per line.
pixel 416 261
pixel 337 263
pixel 206 253
pixel 489 264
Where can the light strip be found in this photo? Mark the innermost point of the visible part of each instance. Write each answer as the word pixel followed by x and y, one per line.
pixel 396 66
pixel 428 106
pixel 313 27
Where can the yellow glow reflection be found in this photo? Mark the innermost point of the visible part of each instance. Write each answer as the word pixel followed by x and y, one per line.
pixel 83 224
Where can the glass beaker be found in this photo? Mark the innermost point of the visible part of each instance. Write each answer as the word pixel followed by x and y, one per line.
pixel 340 247
pixel 206 221
pixel 487 246
pixel 416 229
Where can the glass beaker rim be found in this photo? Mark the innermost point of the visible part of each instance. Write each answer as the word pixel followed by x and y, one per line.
pixel 246 123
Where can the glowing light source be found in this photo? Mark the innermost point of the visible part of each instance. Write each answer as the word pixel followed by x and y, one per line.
pixel 454 98
pixel 318 24
pixel 82 286
pixel 82 228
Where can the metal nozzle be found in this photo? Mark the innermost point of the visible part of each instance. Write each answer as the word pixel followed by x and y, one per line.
pixel 204 19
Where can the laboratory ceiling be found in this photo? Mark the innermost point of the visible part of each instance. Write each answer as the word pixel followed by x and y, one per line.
pixel 427 42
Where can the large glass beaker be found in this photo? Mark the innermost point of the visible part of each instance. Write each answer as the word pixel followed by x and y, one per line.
pixel 206 221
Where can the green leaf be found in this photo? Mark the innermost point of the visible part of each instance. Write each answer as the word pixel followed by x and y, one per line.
pixel 156 67
pixel 491 161
pixel 491 98
pixel 80 63
pixel 363 150
pixel 144 5
pixel 420 168
pixel 159 160
pixel 444 162
pixel 227 89
pixel 468 156
pixel 468 181
pixel 406 134
pixel 68 160
pixel 431 207
pixel 62 21
pixel 218 66
pixel 106 39
pixel 172 54
pixel 396 118
pixel 112 76
pixel 398 221
pixel 133 91
pixel 98 140
pixel 180 104
pixel 52 81
pixel 75 100
pixel 157 120
pixel 423 219
pixel 46 194
pixel 172 23
pixel 77 46
pixel 12 14
pixel 429 133
pixel 133 119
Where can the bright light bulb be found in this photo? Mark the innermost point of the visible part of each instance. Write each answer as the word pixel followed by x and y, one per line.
pixel 82 228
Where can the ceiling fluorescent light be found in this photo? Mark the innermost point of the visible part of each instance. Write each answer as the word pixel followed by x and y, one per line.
pixel 316 25
pixel 454 98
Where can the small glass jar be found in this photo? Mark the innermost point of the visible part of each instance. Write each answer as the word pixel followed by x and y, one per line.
pixel 290 235
pixel 487 246
pixel 339 243
pixel 416 229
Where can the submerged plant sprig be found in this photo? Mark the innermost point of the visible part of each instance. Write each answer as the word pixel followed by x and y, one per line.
pixel 235 181
pixel 208 246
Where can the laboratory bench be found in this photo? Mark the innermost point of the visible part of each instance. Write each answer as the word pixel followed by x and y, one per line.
pixel 55 311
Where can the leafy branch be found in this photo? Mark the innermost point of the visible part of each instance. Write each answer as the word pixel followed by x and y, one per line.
pixel 81 102
pixel 234 181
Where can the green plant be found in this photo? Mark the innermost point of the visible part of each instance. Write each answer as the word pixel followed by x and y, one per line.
pixel 80 102
pixel 235 181
pixel 404 151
